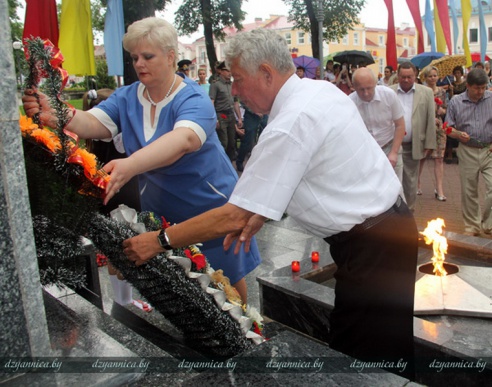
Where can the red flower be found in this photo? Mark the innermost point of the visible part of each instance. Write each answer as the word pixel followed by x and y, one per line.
pixel 198 260
pixel 101 260
pixel 438 101
pixel 446 128
pixel 256 328
pixel 165 223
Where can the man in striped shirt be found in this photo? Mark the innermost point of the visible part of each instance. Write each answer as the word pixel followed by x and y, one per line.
pixel 471 114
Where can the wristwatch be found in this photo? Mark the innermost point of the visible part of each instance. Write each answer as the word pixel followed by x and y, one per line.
pixel 164 240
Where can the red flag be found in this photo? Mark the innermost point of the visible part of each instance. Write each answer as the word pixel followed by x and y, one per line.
pixel 391 37
pixel 41 20
pixel 414 7
pixel 442 9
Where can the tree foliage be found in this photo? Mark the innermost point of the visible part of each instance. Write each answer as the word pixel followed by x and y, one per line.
pixel 16 26
pixel 103 80
pixel 98 13
pixel 339 17
pixel 214 15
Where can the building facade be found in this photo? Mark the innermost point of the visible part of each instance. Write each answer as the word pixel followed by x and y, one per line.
pixel 371 40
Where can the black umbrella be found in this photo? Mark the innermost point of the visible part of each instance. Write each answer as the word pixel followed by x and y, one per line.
pixel 353 57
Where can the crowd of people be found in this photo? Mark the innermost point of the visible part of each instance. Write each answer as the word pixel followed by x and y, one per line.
pixel 347 171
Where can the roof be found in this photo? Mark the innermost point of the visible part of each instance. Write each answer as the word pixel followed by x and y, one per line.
pixel 274 22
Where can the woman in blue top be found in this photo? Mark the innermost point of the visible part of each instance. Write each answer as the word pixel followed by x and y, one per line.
pixel 185 173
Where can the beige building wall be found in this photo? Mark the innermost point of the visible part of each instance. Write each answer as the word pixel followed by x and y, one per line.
pixel 372 40
pixel 472 35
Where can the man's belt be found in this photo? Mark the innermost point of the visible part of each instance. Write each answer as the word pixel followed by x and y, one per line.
pixel 477 144
pixel 366 225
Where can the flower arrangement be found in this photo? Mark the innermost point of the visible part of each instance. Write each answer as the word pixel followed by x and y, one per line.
pixel 66 184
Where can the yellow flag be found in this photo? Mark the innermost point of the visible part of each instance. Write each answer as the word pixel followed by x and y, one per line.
pixel 76 40
pixel 440 39
pixel 466 9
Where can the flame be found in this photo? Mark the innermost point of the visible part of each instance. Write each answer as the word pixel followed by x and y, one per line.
pixel 433 234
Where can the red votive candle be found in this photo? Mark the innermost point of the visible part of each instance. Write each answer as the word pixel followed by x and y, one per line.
pixel 296 266
pixel 314 256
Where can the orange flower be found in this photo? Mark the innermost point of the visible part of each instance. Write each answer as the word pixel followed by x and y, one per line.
pixel 87 160
pixel 26 125
pixel 46 137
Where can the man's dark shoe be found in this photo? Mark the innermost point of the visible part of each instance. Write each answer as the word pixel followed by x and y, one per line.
pixel 239 166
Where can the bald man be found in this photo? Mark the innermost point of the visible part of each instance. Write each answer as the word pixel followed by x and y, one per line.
pixel 382 113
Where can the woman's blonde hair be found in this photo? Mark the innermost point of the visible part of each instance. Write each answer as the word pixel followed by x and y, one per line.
pixel 428 69
pixel 158 32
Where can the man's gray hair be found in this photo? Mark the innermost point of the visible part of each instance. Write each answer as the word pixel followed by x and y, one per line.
pixel 477 77
pixel 259 46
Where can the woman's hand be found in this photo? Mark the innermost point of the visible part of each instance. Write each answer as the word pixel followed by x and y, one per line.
pixel 36 102
pixel 121 171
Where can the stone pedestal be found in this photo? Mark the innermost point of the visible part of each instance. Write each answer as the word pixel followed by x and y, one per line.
pixel 23 328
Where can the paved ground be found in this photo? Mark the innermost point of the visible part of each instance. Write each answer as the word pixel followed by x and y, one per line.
pixel 427 207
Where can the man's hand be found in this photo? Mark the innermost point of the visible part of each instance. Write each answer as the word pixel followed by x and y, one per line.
pixel 239 132
pixel 464 137
pixel 393 158
pixel 255 223
pixel 143 247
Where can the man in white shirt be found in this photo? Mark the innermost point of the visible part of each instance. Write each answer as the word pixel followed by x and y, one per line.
pixel 382 113
pixel 317 162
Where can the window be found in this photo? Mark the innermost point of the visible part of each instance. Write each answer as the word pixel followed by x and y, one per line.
pixel 356 38
pixel 473 35
pixel 490 34
pixel 300 37
pixel 345 40
pixel 203 55
pixel 405 42
pixel 381 65
pixel 381 40
pixel 288 37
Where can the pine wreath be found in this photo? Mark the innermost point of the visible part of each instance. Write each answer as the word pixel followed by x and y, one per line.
pixel 65 196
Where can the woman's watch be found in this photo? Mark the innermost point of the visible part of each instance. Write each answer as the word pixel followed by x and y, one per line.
pixel 164 240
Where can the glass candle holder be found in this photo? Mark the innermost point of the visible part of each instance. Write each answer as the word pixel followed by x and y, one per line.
pixel 296 266
pixel 314 256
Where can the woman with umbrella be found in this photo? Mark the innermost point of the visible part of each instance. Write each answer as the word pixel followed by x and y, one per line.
pixel 344 79
pixel 431 76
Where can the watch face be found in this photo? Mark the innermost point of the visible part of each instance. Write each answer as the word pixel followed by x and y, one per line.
pixel 164 240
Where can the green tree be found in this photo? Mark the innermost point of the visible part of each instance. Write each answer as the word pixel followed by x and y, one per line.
pixel 16 29
pixel 16 26
pixel 214 15
pixel 98 13
pixel 103 80
pixel 339 17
